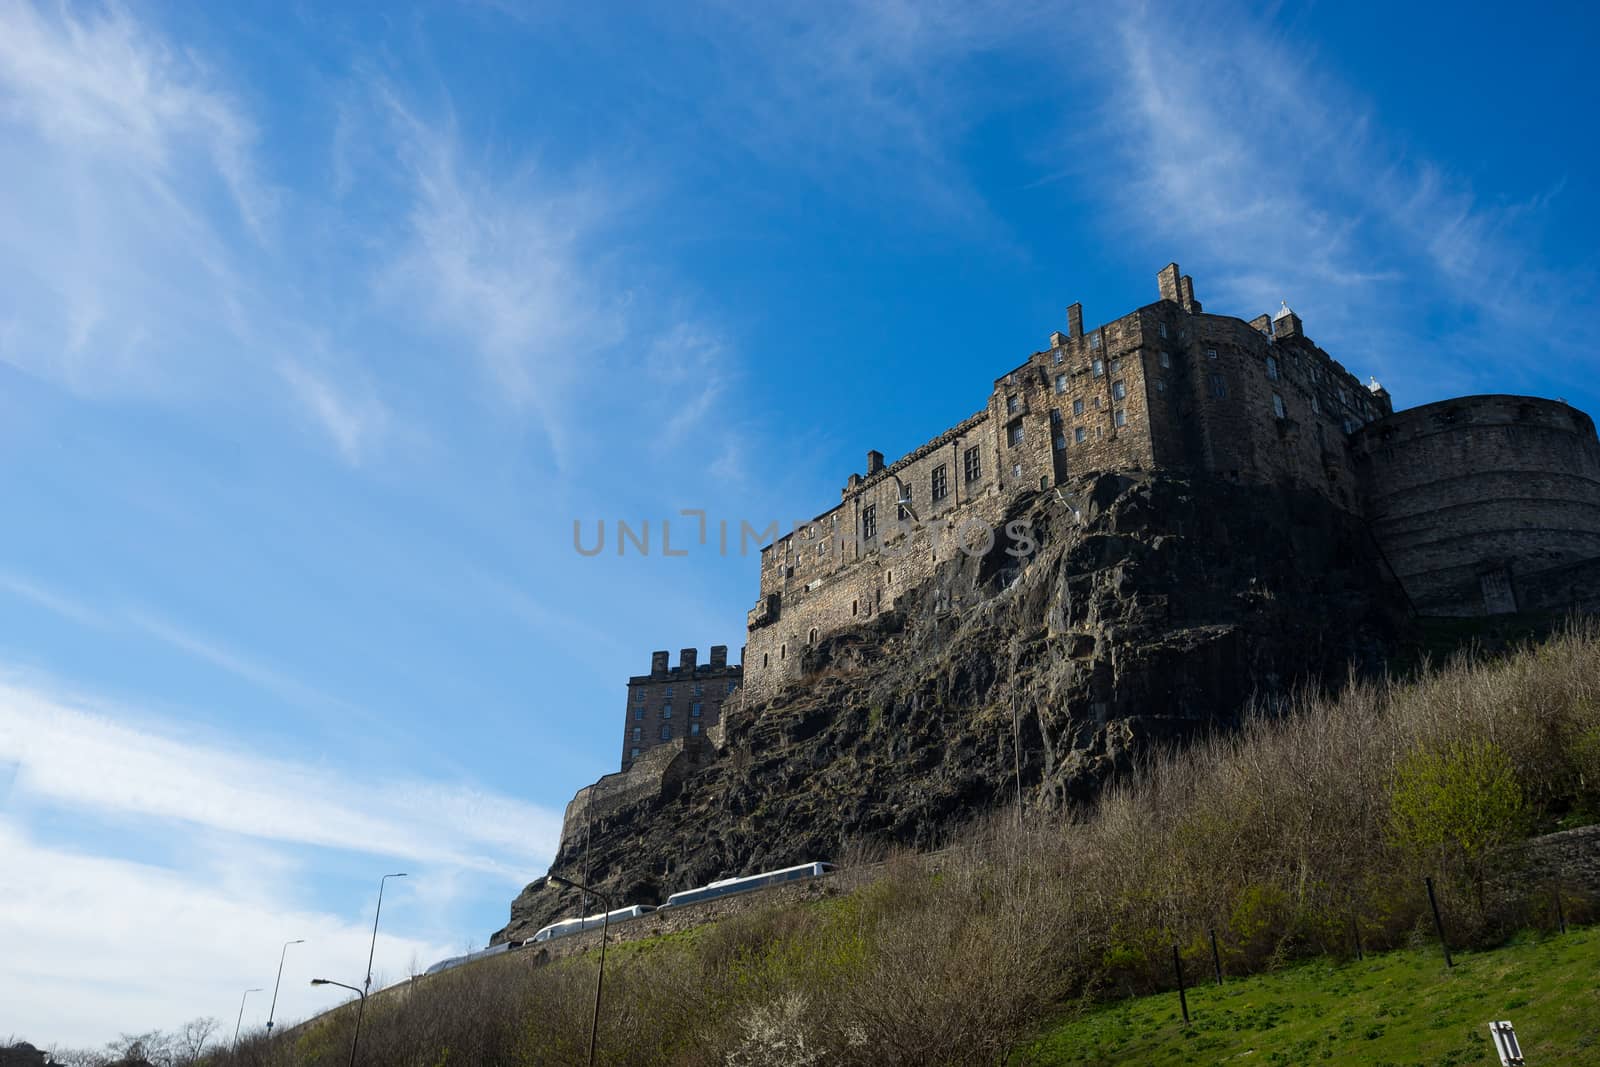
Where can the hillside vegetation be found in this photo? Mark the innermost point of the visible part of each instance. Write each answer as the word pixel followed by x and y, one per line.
pixel 1312 821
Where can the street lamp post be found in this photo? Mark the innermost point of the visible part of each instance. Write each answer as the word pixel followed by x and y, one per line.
pixel 605 928
pixel 358 992
pixel 371 949
pixel 240 1022
pixel 274 1009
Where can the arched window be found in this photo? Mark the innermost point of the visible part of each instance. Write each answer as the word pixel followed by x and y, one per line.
pixel 813 635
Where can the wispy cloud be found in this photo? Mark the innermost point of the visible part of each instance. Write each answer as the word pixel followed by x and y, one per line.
pixel 86 754
pixel 1286 183
pixel 526 270
pixel 355 418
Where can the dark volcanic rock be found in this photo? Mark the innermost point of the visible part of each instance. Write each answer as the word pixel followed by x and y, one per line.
pixel 1155 606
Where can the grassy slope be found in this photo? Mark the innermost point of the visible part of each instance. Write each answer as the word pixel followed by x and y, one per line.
pixel 1402 1008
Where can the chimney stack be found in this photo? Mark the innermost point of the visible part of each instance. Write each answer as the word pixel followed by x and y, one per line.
pixel 686 658
pixel 658 663
pixel 1075 321
pixel 874 462
pixel 719 656
pixel 1167 280
pixel 1186 295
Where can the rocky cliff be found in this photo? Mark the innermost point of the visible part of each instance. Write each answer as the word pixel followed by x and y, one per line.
pixel 1153 606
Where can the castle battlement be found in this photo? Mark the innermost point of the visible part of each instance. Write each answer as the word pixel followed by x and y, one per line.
pixel 672 704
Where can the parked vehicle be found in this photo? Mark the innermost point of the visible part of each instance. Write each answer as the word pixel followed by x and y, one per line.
pixel 590 922
pixel 729 886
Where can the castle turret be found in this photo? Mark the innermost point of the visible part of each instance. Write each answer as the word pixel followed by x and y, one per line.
pixel 1286 323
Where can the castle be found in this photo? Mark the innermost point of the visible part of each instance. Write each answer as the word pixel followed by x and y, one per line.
pixel 1481 505
pixel 1478 505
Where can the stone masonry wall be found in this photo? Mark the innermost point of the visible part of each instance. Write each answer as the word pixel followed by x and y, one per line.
pixel 1163 386
pixel 1477 500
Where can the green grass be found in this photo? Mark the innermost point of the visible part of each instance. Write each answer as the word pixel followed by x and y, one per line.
pixel 1400 1009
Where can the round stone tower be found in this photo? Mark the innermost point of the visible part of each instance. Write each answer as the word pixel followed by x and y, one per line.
pixel 1486 504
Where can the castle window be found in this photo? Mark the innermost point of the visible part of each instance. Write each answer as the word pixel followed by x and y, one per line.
pixel 666 731
pixel 1079 434
pixel 1016 470
pixel 1116 365
pixel 1077 407
pixel 783 651
pixel 1096 403
pixel 699 690
pixel 633 753
pixel 1060 355
pixel 938 485
pixel 869 522
pixel 1277 406
pixel 666 711
pixel 694 729
pixel 732 686
pixel 1163 332
pixel 694 711
pixel 1121 417
pixel 1094 339
pixel 638 712
pixel 1342 398
pixel 901 512
pixel 1099 368
pixel 1011 405
pixel 1161 385
pixel 970 466
pixel 1211 353
pixel 1166 357
pixel 638 696
pixel 1118 390
pixel 1316 405
pixel 1055 417
pixel 855 606
pixel 764 660
pixel 638 733
pixel 1219 387
pixel 1061 441
pixel 668 693
pixel 1272 369
pixel 1061 383
pixel 1014 434
pixel 813 636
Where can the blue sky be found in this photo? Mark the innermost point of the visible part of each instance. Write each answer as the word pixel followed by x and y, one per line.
pixel 320 326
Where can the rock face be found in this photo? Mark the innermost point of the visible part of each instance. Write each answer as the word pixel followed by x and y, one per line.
pixel 1152 607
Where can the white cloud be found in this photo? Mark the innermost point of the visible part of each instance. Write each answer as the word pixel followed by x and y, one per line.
pixel 355 419
pixel 88 757
pixel 1284 184
pixel 525 270
pixel 98 946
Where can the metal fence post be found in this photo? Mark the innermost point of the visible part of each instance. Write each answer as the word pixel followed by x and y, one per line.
pixel 1438 923
pixel 1183 999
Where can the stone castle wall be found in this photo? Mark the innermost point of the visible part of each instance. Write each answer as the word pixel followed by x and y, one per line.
pixel 1165 386
pixel 1486 504
pixel 655 774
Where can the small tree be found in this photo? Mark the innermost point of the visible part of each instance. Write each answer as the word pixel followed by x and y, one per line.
pixel 1457 806
pixel 194 1037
